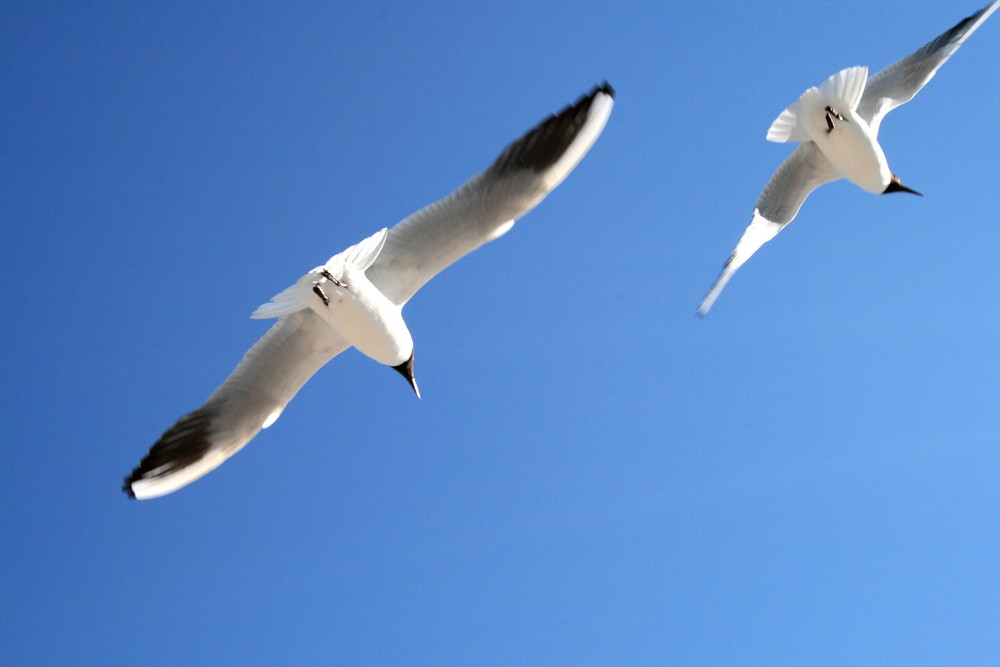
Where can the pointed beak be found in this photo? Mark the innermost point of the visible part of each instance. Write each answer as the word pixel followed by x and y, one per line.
pixel 416 390
pixel 896 186
pixel 406 370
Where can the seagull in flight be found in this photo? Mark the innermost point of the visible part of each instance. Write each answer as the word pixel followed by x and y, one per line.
pixel 356 298
pixel 836 125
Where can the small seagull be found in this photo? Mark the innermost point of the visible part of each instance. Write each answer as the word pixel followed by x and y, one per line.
pixel 837 125
pixel 356 298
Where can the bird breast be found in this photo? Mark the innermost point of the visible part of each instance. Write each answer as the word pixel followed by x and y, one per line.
pixel 365 318
pixel 847 142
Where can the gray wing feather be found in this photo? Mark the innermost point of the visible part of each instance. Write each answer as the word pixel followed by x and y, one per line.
pixel 267 378
pixel 487 205
pixel 802 172
pixel 900 81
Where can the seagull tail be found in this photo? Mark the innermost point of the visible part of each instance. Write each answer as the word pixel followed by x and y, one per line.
pixel 788 126
pixel 359 256
pixel 284 303
pixel 842 90
pixel 846 86
pixel 363 254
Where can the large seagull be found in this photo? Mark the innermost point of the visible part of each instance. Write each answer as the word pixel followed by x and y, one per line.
pixel 356 298
pixel 837 127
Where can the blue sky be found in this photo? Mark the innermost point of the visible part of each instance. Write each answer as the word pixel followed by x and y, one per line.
pixel 595 475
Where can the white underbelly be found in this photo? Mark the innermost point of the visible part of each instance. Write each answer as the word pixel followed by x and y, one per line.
pixel 850 148
pixel 368 321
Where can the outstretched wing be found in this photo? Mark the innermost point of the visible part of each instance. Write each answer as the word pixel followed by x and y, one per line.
pixel 900 81
pixel 487 205
pixel 802 172
pixel 253 396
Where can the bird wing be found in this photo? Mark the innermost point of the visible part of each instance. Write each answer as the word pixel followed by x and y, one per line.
pixel 802 172
pixel 900 81
pixel 251 398
pixel 487 205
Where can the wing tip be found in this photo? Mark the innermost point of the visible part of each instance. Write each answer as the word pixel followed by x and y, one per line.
pixel 182 446
pixel 715 291
pixel 551 139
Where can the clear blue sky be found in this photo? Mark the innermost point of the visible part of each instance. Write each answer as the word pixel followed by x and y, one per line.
pixel 595 475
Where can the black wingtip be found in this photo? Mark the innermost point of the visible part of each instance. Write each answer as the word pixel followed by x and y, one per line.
pixel 946 40
pixel 182 444
pixel 542 147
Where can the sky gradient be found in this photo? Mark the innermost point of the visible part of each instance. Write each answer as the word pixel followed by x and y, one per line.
pixel 594 475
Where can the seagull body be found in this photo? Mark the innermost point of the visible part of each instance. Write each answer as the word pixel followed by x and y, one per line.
pixel 837 125
pixel 828 116
pixel 356 298
pixel 341 294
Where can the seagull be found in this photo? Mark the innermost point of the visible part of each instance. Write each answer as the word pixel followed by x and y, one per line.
pixel 356 298
pixel 837 126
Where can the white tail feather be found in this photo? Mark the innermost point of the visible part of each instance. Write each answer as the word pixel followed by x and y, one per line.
pixel 360 255
pixel 846 86
pixel 786 127
pixel 284 303
pixel 842 90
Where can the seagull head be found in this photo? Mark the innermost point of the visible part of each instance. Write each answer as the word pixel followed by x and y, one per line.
pixel 896 186
pixel 406 370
